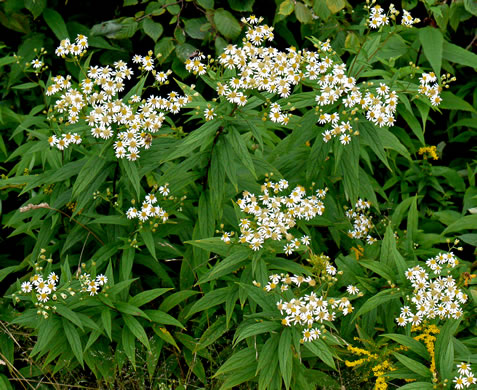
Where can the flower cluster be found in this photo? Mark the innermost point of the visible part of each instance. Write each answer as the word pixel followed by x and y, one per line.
pixel 77 48
pixel 97 100
pixel 43 287
pixel 62 143
pixel 362 223
pixel 149 209
pixel 466 377
pixel 276 115
pixel 430 88
pixel 378 18
pixel 407 19
pixel 195 65
pixel 274 215
pixel 92 285
pixel 427 336
pixel 428 150
pixel 308 310
pixel 433 297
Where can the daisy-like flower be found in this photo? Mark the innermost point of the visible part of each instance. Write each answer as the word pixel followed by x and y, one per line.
pixel 209 114
pixel 353 290
pixel 101 279
pixel 463 368
pixel 26 287
pixel 36 63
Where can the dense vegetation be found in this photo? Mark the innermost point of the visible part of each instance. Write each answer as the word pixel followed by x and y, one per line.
pixel 238 194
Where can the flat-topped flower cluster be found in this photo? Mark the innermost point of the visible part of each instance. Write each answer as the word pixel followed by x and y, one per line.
pixel 273 215
pixel 309 310
pixel 149 208
pixel 44 288
pixel 97 99
pixel 278 72
pixel 433 297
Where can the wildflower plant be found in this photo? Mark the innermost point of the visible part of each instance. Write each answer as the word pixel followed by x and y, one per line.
pixel 257 152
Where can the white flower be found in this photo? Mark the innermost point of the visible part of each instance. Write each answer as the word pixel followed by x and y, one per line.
pixel 26 287
pixel 352 290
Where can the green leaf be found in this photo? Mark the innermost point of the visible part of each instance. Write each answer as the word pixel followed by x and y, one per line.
pixel 241 5
pixel 226 23
pixel 149 241
pixel 432 40
pixel 464 223
pixel 303 14
pixel 74 340
pixel 36 7
pixel 162 318
pixel 207 4
pixel 147 296
pixel 321 350
pixel 133 175
pixel 5 383
pixel 136 329
pixel 164 47
pixel 369 136
pixel 129 309
pixel 237 361
pixel 214 244
pixel 285 356
pixel 390 256
pixel 471 7
pixel 390 141
pixel 153 29
pixel 196 28
pixel 184 51
pixel 165 335
pixel 26 86
pixel 459 55
pixel 129 347
pixel 286 7
pixel 409 342
pixel 377 300
pixel 93 167
pixel 173 300
pixel 445 354
pixel 56 23
pixel 197 138
pixel 417 386
pixel 413 123
pixel 211 299
pixel 378 268
pixel 241 150
pixel 255 329
pixel 69 314
pixel 268 361
pixel 413 365
pixel 453 102
pixel 106 320
pixel 470 239
pixel 212 333
pixel 226 266
pixel 335 6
